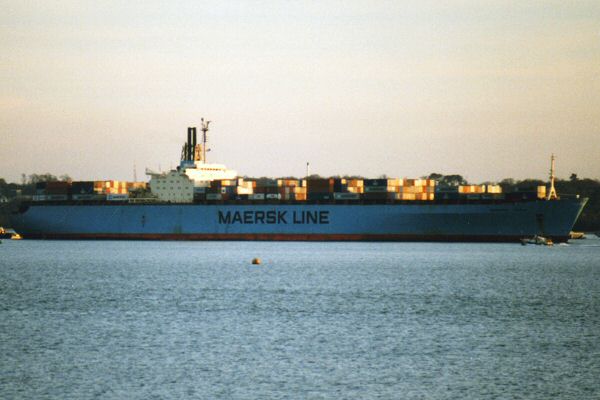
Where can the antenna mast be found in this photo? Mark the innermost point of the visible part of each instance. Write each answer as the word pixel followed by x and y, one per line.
pixel 204 137
pixel 552 193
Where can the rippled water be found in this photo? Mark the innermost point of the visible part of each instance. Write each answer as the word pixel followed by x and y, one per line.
pixel 316 320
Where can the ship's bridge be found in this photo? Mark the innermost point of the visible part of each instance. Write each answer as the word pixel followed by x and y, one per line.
pixel 202 173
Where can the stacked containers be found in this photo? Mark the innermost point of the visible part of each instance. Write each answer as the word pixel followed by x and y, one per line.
pixel 40 188
pixel 83 190
pixel 493 189
pixel 137 185
pixel 416 189
pixel 58 190
pixel 472 192
pixel 110 187
pixel 266 189
pixel 225 189
pixel 40 191
pixel 399 189
pixel 292 189
pixel 471 189
pixel 348 189
pixel 355 186
pixel 476 192
pixel 320 189
pixel 380 189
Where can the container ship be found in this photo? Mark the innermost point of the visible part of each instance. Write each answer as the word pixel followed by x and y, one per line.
pixel 205 201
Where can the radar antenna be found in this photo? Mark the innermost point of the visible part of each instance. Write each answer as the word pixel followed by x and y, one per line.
pixel 552 193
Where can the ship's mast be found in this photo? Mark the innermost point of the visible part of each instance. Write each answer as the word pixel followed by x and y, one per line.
pixel 552 193
pixel 204 138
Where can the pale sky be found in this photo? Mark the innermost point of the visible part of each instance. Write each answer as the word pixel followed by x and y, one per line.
pixel 486 89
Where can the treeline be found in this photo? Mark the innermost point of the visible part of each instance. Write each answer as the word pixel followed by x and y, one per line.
pixel 588 221
pixel 9 191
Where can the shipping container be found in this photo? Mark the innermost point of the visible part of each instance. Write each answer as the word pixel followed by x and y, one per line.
pixel 58 184
pixel 299 196
pixel 299 190
pixel 264 183
pixel 82 187
pixel 57 191
pixel 375 196
pixel 320 185
pixel 214 196
pixel 257 196
pixel 355 183
pixel 266 189
pixel 381 189
pixel 57 197
pixel 319 196
pixel 288 182
pixel 541 192
pixel 493 189
pixel 242 190
pixel 346 196
pixel 356 189
pixel 378 182
pixel 117 197
pixel 87 197
pixel 406 196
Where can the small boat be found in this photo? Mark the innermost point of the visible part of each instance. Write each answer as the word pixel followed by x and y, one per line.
pixel 537 240
pixel 16 236
pixel 4 234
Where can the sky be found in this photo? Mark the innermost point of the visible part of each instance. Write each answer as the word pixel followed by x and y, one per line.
pixel 485 89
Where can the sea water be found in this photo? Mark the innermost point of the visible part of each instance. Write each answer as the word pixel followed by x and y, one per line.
pixel 172 320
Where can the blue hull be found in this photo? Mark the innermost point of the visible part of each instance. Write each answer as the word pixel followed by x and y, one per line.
pixel 417 221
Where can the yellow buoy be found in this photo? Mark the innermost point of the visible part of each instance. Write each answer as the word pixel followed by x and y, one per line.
pixel 256 261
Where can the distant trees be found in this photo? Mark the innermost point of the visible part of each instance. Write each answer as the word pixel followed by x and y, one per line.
pixel 47 177
pixel 573 178
pixel 27 185
pixel 448 180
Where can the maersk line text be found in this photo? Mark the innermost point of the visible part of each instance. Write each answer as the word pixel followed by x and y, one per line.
pixel 273 217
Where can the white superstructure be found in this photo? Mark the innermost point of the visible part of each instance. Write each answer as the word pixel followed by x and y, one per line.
pixel 177 186
pixel 173 187
pixel 202 173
